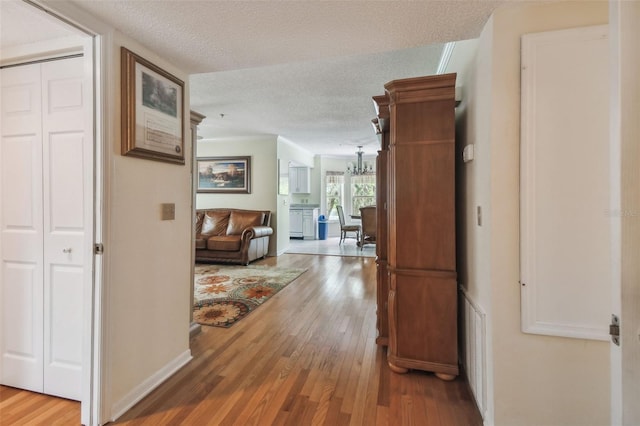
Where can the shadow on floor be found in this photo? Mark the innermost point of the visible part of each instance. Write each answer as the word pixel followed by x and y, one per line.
pixel 331 247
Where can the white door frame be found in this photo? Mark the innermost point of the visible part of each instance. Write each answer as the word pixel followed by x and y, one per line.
pixel 625 209
pixel 92 344
pixel 95 55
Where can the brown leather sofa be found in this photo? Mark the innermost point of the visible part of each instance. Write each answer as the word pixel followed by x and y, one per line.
pixel 232 235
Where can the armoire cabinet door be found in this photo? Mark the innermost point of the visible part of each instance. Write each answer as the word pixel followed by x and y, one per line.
pixel 422 305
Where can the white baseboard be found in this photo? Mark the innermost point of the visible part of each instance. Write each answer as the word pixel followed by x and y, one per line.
pixel 194 329
pixel 144 388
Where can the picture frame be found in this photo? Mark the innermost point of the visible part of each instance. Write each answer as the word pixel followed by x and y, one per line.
pixel 224 175
pixel 152 111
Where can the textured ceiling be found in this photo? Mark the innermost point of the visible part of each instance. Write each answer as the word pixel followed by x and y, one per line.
pixel 304 70
pixel 206 36
pixel 323 105
pixel 20 24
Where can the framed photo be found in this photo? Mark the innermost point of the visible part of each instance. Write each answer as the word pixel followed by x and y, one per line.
pixel 224 175
pixel 152 111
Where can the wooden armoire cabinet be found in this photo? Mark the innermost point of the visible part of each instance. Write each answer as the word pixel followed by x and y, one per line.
pixel 420 222
pixel 381 125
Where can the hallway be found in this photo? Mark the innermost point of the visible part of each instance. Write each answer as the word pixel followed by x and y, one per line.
pixel 307 356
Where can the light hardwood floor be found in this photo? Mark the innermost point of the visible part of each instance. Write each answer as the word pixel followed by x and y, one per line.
pixel 331 246
pixel 306 357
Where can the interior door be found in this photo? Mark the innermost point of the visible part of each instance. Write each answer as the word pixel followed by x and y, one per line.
pixel 21 229
pixel 64 183
pixel 46 224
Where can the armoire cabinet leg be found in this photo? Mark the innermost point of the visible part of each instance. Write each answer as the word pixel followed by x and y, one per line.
pixel 446 377
pixel 396 369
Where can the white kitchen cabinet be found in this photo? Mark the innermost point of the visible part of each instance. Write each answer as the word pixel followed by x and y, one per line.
pixel 309 220
pixel 302 222
pixel 300 180
pixel 295 223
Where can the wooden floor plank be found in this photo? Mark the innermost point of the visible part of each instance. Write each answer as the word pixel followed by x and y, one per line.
pixel 305 357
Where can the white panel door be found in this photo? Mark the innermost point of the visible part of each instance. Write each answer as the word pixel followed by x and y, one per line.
pixel 21 234
pixel 65 190
pixel 46 222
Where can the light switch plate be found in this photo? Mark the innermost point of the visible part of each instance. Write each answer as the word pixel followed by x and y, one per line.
pixel 168 211
pixel 467 153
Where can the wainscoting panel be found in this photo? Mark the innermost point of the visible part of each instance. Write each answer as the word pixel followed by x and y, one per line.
pixel 565 215
pixel 474 351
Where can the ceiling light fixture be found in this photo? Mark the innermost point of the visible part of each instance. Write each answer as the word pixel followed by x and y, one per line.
pixel 360 168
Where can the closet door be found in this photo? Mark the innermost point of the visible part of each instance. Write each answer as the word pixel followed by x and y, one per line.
pixel 46 221
pixel 21 229
pixel 65 225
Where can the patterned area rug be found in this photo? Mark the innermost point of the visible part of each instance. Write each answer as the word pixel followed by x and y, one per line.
pixel 226 294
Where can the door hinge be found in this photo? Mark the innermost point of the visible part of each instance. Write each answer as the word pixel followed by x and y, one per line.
pixel 614 329
pixel 98 248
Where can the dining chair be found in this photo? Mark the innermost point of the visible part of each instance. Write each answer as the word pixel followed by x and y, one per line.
pixel 369 223
pixel 345 228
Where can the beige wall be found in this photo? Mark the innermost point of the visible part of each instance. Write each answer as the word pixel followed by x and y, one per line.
pixel 533 379
pixel 147 261
pixel 264 177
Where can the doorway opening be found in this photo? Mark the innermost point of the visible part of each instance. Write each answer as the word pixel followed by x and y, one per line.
pixel 60 156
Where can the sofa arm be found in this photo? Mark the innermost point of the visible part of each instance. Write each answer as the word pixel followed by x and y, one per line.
pixel 256 232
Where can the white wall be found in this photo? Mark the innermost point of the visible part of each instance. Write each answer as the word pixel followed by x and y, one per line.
pixel 147 261
pixel 264 177
pixel 293 155
pixel 473 118
pixel 532 379
pixel 287 153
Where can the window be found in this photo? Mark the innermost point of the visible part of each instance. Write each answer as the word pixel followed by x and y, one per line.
pixel 335 193
pixel 363 192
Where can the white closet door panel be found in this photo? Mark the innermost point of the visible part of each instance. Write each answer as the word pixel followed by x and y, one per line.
pixel 66 175
pixel 65 196
pixel 22 338
pixel 21 177
pixel 64 221
pixel 21 229
pixel 63 338
pixel 21 100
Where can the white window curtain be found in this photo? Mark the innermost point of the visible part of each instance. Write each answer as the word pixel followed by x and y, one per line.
pixel 334 184
pixel 363 192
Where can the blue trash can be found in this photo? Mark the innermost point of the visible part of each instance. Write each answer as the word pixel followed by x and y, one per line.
pixel 323 224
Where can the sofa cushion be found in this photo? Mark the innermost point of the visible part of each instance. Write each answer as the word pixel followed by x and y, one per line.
pixel 199 217
pixel 224 243
pixel 239 221
pixel 215 223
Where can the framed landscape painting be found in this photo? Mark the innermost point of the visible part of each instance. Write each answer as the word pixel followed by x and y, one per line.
pixel 224 175
pixel 152 111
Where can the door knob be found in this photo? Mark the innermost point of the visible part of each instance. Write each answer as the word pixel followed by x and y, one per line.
pixel 67 250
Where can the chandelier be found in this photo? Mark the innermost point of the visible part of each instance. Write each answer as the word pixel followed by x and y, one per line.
pixel 360 168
